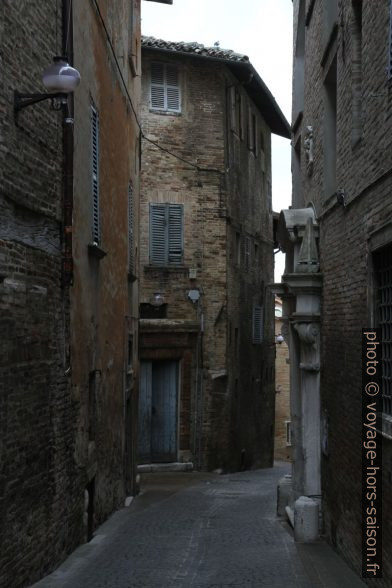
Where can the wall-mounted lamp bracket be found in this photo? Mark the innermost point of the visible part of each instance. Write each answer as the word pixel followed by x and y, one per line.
pixel 24 100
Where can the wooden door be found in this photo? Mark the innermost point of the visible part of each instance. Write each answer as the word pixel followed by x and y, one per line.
pixel 158 411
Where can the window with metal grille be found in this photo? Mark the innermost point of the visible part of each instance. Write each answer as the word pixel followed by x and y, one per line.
pixel 131 260
pixel 166 234
pixel 165 87
pixel 258 326
pixel 383 283
pixel 96 228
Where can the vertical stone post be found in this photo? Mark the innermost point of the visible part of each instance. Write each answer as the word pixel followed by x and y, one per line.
pixel 301 289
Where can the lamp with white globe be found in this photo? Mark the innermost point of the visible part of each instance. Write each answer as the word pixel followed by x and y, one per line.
pixel 60 79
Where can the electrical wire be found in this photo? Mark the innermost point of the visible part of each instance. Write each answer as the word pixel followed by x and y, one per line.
pixel 190 163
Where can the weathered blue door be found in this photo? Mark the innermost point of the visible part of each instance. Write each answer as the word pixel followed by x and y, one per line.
pixel 158 411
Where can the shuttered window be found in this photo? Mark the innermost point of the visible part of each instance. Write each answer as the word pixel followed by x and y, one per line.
pixel 166 234
pixel 258 325
pixel 165 87
pixel 96 228
pixel 131 260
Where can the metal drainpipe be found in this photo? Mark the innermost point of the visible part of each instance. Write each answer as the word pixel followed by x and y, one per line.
pixel 68 151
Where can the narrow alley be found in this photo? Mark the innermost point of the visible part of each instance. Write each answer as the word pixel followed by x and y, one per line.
pixel 198 530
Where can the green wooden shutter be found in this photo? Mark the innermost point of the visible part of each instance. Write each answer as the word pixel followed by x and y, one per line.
pixel 96 229
pixel 172 89
pixel 158 234
pixel 158 86
pixel 175 233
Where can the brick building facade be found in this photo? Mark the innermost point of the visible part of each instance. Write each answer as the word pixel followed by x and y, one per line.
pixel 69 193
pixel 342 176
pixel 206 257
pixel 282 448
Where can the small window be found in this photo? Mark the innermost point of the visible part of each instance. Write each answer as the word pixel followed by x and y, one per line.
pixel 131 255
pixel 288 433
pixel 166 234
pixel 165 89
pixel 96 227
pixel 258 326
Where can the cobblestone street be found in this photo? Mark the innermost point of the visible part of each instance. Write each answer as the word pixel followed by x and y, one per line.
pixel 195 530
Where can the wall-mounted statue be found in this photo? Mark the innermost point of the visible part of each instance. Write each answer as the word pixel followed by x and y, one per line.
pixel 308 144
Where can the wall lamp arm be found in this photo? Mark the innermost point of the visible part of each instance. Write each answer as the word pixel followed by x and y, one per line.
pixel 23 100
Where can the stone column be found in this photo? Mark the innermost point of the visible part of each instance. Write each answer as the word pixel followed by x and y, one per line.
pixel 301 292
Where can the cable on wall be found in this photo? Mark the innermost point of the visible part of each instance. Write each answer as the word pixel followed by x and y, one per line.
pixel 151 141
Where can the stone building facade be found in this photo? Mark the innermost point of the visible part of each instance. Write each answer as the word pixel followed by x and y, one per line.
pixel 282 389
pixel 206 258
pixel 69 193
pixel 342 184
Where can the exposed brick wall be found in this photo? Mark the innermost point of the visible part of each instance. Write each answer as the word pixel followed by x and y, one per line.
pixel 38 477
pixel 363 171
pixel 104 312
pixel 216 206
pixel 46 454
pixel 282 396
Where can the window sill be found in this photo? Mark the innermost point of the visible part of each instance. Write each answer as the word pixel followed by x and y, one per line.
pixel 165 112
pixel 96 251
pixel 166 268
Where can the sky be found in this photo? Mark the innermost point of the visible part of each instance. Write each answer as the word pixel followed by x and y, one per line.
pixel 262 29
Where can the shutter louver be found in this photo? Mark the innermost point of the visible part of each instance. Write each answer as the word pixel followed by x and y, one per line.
pixel 158 240
pixel 258 326
pixel 131 265
pixel 175 234
pixel 158 86
pixel 95 173
pixel 172 89
pixel 165 88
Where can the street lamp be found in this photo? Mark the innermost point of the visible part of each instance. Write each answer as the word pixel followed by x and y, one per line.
pixel 60 79
pixel 157 299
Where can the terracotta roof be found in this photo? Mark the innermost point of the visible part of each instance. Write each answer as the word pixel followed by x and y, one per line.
pixel 240 66
pixel 193 47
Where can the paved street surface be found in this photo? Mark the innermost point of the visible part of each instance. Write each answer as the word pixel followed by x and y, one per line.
pixel 195 530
